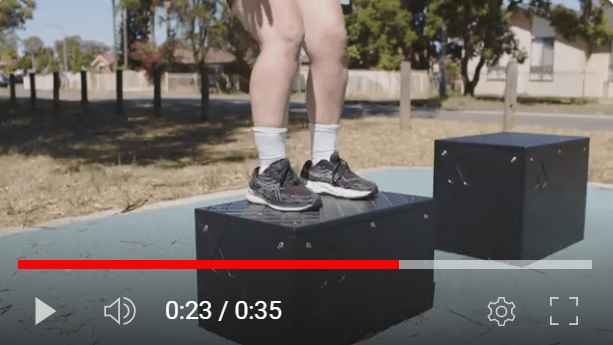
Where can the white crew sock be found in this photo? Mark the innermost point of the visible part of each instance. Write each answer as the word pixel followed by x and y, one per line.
pixel 270 142
pixel 323 141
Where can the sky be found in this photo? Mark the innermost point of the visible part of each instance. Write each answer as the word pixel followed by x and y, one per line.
pixel 92 20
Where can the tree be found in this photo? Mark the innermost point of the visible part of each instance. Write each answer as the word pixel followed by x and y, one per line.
pixel 43 59
pixel 8 53
pixel 14 13
pixel 71 43
pixel 152 58
pixel 152 5
pixel 94 47
pixel 9 39
pixel 34 45
pixel 379 34
pixel 137 28
pixel 484 29
pixel 114 12
pixel 426 23
pixel 201 29
pixel 77 62
pixel 25 63
pixel 244 48
pixel 148 8
pixel 591 25
pixel 54 66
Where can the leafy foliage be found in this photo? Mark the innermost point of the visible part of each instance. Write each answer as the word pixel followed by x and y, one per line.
pixel 43 59
pixel 152 58
pixel 8 53
pixel 427 23
pixel 138 28
pixel 9 39
pixel 14 13
pixel 379 34
pixel 201 28
pixel 54 66
pixel 244 48
pixel 591 24
pixel 77 60
pixel 33 45
pixel 484 30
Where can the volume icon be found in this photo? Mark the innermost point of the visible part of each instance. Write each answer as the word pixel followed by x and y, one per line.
pixel 114 311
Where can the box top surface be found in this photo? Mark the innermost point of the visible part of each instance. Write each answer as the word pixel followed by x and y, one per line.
pixel 332 208
pixel 514 139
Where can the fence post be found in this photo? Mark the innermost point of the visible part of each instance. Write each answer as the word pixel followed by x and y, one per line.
pixel 12 86
pixel 204 90
pixel 84 92
pixel 56 91
pixel 166 81
pixel 119 90
pixel 33 90
pixel 157 93
pixel 510 97
pixel 405 95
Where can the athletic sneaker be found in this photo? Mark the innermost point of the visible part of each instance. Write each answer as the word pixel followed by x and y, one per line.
pixel 335 178
pixel 280 188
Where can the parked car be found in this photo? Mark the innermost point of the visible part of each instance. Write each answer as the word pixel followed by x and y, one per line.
pixel 4 80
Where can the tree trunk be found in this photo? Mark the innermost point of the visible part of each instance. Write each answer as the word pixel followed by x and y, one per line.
pixel 114 30
pixel 470 85
pixel 125 39
pixel 152 20
pixel 468 89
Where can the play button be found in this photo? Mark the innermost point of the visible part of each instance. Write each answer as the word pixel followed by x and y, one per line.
pixel 42 311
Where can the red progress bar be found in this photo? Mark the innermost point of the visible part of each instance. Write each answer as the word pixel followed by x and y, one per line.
pixel 204 264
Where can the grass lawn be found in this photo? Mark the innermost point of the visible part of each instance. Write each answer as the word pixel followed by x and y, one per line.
pixel 54 166
pixel 531 106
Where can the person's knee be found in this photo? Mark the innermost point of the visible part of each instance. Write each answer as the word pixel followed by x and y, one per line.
pixel 286 42
pixel 329 42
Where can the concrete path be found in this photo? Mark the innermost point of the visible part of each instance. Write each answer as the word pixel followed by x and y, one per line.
pixel 460 308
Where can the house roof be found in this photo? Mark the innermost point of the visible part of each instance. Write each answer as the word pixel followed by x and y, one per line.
pixel 7 62
pixel 107 59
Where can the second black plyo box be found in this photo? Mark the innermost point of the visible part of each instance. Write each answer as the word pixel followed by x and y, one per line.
pixel 510 196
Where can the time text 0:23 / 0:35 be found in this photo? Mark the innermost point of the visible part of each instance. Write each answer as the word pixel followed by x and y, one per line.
pixel 193 310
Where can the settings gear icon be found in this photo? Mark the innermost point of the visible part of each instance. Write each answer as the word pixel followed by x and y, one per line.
pixel 501 311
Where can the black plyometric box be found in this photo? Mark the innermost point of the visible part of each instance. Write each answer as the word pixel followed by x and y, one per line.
pixel 510 196
pixel 318 306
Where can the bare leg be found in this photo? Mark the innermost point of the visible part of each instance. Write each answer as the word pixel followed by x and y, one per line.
pixel 327 48
pixel 278 27
pixel 326 45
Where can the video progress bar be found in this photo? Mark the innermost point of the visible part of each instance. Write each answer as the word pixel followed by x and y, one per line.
pixel 304 264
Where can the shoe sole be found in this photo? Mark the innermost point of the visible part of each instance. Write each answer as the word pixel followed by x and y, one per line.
pixel 254 198
pixel 322 187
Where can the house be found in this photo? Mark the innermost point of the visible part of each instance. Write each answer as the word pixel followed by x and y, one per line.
pixel 215 60
pixel 104 63
pixel 555 67
pixel 5 63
